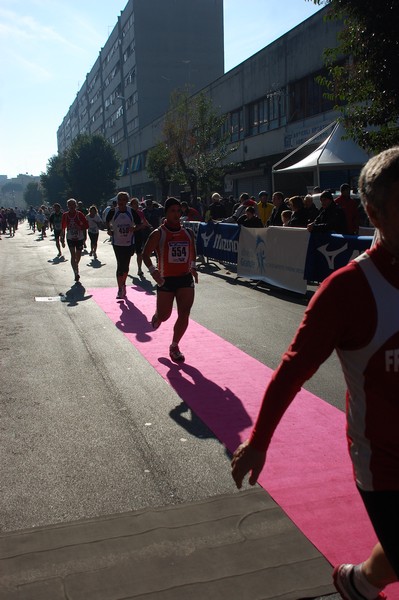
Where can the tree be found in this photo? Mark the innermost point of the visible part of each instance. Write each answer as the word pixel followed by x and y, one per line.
pixel 33 195
pixel 366 84
pixel 92 169
pixel 193 133
pixel 54 182
pixel 159 165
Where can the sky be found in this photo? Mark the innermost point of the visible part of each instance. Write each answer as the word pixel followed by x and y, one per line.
pixel 48 46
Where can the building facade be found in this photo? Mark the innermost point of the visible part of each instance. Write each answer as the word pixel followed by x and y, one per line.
pixel 155 47
pixel 272 101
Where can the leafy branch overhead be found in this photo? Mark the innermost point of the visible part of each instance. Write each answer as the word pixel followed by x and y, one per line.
pixel 365 83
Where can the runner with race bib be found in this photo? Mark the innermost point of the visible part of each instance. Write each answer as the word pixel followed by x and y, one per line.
pixel 122 222
pixel 174 274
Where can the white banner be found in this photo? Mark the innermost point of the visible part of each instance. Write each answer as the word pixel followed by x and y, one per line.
pixel 276 255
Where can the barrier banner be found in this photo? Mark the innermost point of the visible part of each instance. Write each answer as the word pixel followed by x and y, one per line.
pixel 276 255
pixel 328 252
pixel 218 241
pixel 194 225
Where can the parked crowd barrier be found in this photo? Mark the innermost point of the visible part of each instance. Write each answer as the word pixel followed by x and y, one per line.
pixel 285 257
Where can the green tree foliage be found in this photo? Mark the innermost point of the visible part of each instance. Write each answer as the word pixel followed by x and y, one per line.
pixel 87 171
pixel 193 136
pixel 54 182
pixel 367 83
pixel 92 169
pixel 159 165
pixel 33 195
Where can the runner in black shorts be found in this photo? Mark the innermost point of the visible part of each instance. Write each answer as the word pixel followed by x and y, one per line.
pixel 75 224
pixel 175 272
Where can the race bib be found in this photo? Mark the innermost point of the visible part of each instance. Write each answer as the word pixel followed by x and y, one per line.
pixel 73 233
pixel 123 230
pixel 178 252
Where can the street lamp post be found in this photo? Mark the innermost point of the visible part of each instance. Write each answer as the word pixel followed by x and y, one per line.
pixel 126 135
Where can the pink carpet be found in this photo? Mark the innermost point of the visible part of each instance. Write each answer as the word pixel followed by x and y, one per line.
pixel 308 471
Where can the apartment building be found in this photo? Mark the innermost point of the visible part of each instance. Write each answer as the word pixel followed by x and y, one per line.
pixel 272 101
pixel 155 47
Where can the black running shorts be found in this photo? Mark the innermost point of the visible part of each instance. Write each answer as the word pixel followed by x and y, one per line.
pixel 383 510
pixel 172 284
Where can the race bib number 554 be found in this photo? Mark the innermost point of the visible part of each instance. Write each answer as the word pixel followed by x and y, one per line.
pixel 178 252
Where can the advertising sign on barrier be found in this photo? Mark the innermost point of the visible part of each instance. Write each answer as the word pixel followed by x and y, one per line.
pixel 328 252
pixel 286 257
pixel 218 241
pixel 276 255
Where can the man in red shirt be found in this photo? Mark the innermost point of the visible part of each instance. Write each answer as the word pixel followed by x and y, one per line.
pixel 75 224
pixel 355 311
pixel 350 208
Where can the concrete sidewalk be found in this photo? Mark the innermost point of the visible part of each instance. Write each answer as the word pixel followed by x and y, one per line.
pixel 236 547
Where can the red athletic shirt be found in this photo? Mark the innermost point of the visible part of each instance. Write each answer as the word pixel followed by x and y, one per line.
pixel 75 224
pixel 347 315
pixel 175 251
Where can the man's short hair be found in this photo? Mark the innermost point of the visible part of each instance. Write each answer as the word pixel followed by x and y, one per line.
pixel 123 196
pixel 377 177
pixel 263 193
pixel 326 194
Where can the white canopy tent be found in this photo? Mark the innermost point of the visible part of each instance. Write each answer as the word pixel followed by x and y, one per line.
pixel 333 153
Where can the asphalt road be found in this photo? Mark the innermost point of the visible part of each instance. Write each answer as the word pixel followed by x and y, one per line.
pixel 85 424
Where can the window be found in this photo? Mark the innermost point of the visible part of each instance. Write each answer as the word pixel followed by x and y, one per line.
pixel 112 74
pixel 110 54
pixel 307 97
pixel 129 50
pixel 267 113
pixel 93 82
pixel 237 125
pixel 128 25
pixel 130 77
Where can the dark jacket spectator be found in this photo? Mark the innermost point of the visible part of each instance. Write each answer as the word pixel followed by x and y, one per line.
pixel 311 209
pixel 331 217
pixel 299 217
pixel 278 207
pixel 249 219
pixel 216 209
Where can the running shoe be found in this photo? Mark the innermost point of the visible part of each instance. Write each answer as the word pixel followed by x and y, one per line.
pixel 119 295
pixel 155 322
pixel 175 354
pixel 343 581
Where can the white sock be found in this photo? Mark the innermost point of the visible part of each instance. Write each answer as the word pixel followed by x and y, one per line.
pixel 362 585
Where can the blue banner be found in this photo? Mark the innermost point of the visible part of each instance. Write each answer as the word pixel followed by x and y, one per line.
pixel 328 252
pixel 218 241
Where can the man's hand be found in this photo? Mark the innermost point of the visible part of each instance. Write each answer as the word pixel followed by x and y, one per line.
pixel 247 460
pixel 159 280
